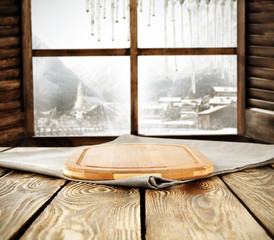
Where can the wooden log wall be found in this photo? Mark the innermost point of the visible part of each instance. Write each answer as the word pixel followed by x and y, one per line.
pixel 11 94
pixel 260 69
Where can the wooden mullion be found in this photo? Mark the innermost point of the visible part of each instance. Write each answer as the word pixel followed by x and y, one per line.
pixel 133 67
pixel 186 51
pixel 241 67
pixel 80 52
pixel 27 67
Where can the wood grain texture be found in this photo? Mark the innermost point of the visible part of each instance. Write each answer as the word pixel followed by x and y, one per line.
pixel 27 67
pixel 255 187
pixel 21 196
pixel 11 117
pixel 7 106
pixel 9 10
pixel 260 83
pixel 10 31
pixel 260 40
pixel 260 125
pixel 10 85
pixel 87 211
pixel 9 21
pixel 261 29
pixel 11 133
pixel 241 67
pixel 259 7
pixel 267 95
pixel 3 171
pixel 260 51
pixel 199 210
pixel 134 66
pixel 9 96
pixel 260 62
pixel 265 73
pixel 9 42
pixel 10 63
pixel 10 53
pixel 255 103
pixel 10 74
pixel 260 18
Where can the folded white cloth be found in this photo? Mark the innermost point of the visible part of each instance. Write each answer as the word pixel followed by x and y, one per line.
pixel 226 157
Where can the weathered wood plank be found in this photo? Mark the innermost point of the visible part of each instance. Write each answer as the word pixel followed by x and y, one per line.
pixel 21 196
pixel 255 187
pixel 260 51
pixel 87 211
pixel 260 125
pixel 11 105
pixel 10 42
pixel 12 117
pixel 260 83
pixel 262 94
pixel 260 18
pixel 10 63
pixel 260 40
pixel 10 96
pixel 10 74
pixel 257 72
pixel 9 21
pixel 9 2
pixel 263 62
pixel 10 85
pixel 11 134
pixel 27 73
pixel 199 210
pixel 259 7
pixel 241 66
pixel 9 11
pixel 3 171
pixel 133 67
pixel 9 31
pixel 9 53
pixel 261 29
pixel 255 103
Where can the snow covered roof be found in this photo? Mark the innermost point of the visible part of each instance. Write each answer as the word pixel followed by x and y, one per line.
pixel 222 100
pixel 170 99
pixel 213 109
pixel 225 89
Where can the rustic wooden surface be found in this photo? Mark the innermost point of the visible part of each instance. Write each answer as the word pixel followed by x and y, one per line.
pixel 87 211
pixel 199 210
pixel 255 187
pixel 21 196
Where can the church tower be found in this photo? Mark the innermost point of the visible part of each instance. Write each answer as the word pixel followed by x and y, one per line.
pixel 79 98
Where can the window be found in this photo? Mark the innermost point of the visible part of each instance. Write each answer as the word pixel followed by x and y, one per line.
pixel 175 75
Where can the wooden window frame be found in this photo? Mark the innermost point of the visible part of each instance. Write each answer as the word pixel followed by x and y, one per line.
pixel 134 52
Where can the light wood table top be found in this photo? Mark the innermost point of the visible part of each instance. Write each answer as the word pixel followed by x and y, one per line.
pixel 232 206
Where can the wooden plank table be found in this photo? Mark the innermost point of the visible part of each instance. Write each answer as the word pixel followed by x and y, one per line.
pixel 233 206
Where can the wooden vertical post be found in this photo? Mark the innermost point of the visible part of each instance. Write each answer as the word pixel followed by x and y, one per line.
pixel 27 67
pixel 134 66
pixel 241 15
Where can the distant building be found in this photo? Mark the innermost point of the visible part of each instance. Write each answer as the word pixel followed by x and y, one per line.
pixel 224 92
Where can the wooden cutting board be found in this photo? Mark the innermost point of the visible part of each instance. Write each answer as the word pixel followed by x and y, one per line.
pixel 117 161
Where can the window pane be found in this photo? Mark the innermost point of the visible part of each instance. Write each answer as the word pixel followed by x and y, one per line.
pixel 194 23
pixel 81 96
pixel 197 98
pixel 66 24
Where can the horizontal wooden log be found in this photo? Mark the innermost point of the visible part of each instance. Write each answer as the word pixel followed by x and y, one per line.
pixel 10 105
pixel 186 51
pixel 255 188
pixel 10 63
pixel 10 31
pixel 11 118
pixel 260 62
pixel 260 51
pixel 260 40
pixel 255 103
pixel 10 85
pixel 256 72
pixel 260 29
pixel 266 95
pixel 260 83
pixel 9 135
pixel 10 53
pixel 9 21
pixel 260 18
pixel 9 2
pixel 10 74
pixel 80 52
pixel 6 42
pixel 9 10
pixel 259 7
pixel 10 96
pixel 260 125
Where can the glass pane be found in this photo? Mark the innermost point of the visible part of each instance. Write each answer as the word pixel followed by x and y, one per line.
pixel 199 97
pixel 81 96
pixel 67 24
pixel 187 23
